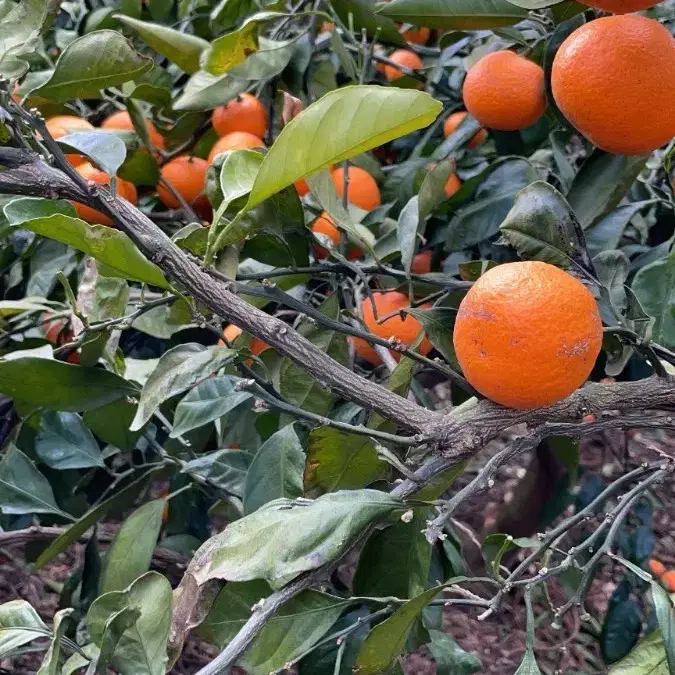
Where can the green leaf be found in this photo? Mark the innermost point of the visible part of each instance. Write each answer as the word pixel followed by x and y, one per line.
pixel 12 307
pixel 284 538
pixel 612 268
pixel 64 442
pixel 208 401
pixel 528 666
pixel 665 615
pixel 348 121
pixel 621 629
pixel 276 470
pixel 495 547
pixel 25 208
pixel 298 625
pixel 654 286
pixel 111 423
pixel 450 658
pixel 362 15
pixel 142 648
pixel 338 460
pixel 114 629
pixel 438 324
pixel 177 370
pixel 20 30
pixel 601 184
pixel 105 149
pixel 395 561
pixel 19 625
pixel 238 174
pixel 130 552
pixel 61 386
pixel 109 246
pixel 51 664
pixel 23 489
pixel 386 641
pixel 76 662
pixel 455 14
pixel 226 469
pixel 180 48
pixel 93 62
pixel 647 658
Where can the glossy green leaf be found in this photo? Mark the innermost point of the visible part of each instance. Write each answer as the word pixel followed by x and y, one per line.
pixel 51 664
pixel 61 386
pixel 337 460
pixel 23 489
pixel 450 658
pixel 130 551
pixel 208 401
pixel 654 286
pixel 93 62
pixel 226 469
pixel 347 121
pixel 361 15
pixel 19 625
pixel 647 658
pixel 64 442
pixel 179 47
pixel 238 173
pixel 285 538
pixel 111 423
pixel 438 324
pixel 276 470
pixel 178 369
pixel 106 150
pixel 26 208
pixel 115 627
pixel 455 14
pixel 142 648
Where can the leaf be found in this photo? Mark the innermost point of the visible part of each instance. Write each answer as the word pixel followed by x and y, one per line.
pixel 601 184
pixel 455 14
pixel 347 122
pixel 665 615
pixel 177 370
pixel 19 625
pixel 338 460
pixel 276 470
pixel 450 658
pixel 60 386
pixel 105 149
pixel 395 561
pixel 285 538
pixel 109 246
pixel 298 625
pixel 362 16
pixel 12 307
pixel 238 174
pixel 23 489
pixel 534 4
pixel 76 662
pixel 64 442
pixel 386 641
pixel 24 208
pixel 528 666
pixel 226 469
pixel 141 649
pixel 20 29
pixel 208 401
pixel 93 62
pixel 111 423
pixel 114 629
pixel 51 664
pixel 621 629
pixel 438 324
pixel 612 268
pixel 180 48
pixel 130 552
pixel 654 286
pixel 647 658
pixel 541 226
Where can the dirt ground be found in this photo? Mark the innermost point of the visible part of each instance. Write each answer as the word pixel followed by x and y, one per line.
pixel 498 641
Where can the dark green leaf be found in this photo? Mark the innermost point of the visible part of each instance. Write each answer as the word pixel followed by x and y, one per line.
pixel 621 629
pixel 64 442
pixel 612 268
pixel 654 286
pixel 111 423
pixel 648 658
pixel 362 15
pixel 224 468
pixel 450 658
pixel 438 324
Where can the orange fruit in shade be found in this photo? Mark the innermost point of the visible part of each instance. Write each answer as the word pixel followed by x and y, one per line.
pixel 125 189
pixel 187 175
pixel 527 334
pixel 418 36
pixel 237 140
pixel 402 57
pixel 621 6
pixel 244 113
pixel 362 190
pixel 657 568
pixel 505 91
pixel 232 332
pixel 453 185
pixel 668 581
pixel 455 120
pixel 421 263
pixel 324 225
pixel 62 125
pixel 57 331
pixel 122 120
pixel 614 80
pixel 406 330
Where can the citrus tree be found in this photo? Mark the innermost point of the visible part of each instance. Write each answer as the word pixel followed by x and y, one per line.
pixel 287 286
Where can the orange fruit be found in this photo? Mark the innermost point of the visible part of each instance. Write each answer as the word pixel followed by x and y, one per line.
pixel 614 79
pixel 324 225
pixel 62 125
pixel 668 580
pixel 455 120
pixel 453 185
pixel 379 66
pixel 621 6
pixel 657 568
pixel 362 190
pixel 245 113
pixel 406 330
pixel 505 91
pixel 125 189
pixel 122 120
pixel 57 330
pixel 403 57
pixel 421 263
pixel 232 332
pixel 187 175
pixel 302 187
pixel 527 334
pixel 418 36
pixel 237 140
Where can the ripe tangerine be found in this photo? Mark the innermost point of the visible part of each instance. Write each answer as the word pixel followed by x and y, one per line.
pixel 362 190
pixel 453 185
pixel 505 91
pixel 232 332
pixel 244 113
pixel 657 568
pixel 527 334
pixel 418 36
pixel 237 140
pixel 421 263
pixel 122 120
pixel 455 120
pixel 324 225
pixel 62 125
pixel 405 58
pixel 125 189
pixel 621 6
pixel 187 175
pixel 668 580
pixel 405 330
pixel 614 78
